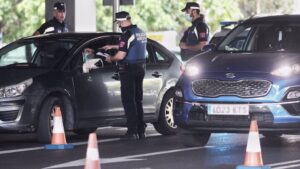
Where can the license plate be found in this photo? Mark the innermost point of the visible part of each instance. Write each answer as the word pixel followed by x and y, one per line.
pixel 228 109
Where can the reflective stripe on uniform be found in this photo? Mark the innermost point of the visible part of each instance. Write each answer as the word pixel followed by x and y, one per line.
pixel 196 32
pixel 130 40
pixel 50 29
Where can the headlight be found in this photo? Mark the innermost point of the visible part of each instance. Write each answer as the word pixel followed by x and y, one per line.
pixel 286 71
pixel 14 90
pixel 192 70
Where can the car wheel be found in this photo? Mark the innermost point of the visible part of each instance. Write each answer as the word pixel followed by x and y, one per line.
pixel 165 124
pixel 45 123
pixel 193 139
pixel 84 131
pixel 272 135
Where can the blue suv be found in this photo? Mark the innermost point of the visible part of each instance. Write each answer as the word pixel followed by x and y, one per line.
pixel 252 74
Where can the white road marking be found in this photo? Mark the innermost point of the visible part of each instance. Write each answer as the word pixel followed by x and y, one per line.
pixel 284 165
pixel 137 157
pixel 75 144
pixel 41 148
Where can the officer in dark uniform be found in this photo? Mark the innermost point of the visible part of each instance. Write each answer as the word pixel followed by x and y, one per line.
pixel 131 60
pixel 57 24
pixel 196 36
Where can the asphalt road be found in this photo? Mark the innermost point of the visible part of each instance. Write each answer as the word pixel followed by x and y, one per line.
pixel 224 151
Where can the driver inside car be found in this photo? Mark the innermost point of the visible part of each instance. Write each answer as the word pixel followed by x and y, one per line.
pixel 89 60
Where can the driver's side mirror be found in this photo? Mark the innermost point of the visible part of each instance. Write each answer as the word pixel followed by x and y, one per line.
pixel 209 47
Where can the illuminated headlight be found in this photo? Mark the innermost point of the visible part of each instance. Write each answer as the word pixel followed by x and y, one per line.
pixel 14 90
pixel 293 95
pixel 192 70
pixel 286 71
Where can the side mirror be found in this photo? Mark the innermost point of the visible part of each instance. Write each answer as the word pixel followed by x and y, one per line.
pixel 209 47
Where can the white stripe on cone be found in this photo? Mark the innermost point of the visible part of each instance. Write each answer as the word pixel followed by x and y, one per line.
pixel 253 144
pixel 58 125
pixel 92 154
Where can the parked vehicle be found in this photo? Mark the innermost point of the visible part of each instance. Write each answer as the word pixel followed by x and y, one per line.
pixel 253 74
pixel 39 73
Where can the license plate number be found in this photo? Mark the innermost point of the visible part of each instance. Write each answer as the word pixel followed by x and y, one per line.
pixel 228 109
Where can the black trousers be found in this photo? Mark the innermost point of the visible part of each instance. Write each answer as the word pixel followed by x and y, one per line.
pixel 132 77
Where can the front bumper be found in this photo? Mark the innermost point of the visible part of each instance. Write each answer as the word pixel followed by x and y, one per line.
pixel 13 116
pixel 281 117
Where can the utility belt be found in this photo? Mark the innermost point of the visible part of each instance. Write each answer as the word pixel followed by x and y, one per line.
pixel 126 66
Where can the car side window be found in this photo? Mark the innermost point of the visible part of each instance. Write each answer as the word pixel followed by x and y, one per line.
pixel 160 58
pixel 52 52
pixel 20 53
pixel 99 53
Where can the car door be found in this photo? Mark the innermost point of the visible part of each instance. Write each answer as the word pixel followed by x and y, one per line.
pixel 156 71
pixel 98 91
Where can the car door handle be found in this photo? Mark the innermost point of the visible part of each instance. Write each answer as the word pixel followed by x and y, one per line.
pixel 156 74
pixel 116 76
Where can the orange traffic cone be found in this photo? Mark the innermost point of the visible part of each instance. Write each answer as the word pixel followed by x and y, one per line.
pixel 58 140
pixel 92 155
pixel 253 158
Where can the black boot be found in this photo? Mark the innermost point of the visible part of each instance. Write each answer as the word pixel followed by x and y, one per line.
pixel 141 132
pixel 130 136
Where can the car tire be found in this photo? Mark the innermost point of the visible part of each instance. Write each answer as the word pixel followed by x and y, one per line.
pixel 84 131
pixel 190 139
pixel 165 124
pixel 45 123
pixel 272 135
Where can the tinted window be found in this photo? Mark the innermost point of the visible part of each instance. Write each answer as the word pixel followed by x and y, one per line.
pixel 51 52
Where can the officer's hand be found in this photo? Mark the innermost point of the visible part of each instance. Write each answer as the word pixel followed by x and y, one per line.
pixel 183 46
pixel 107 47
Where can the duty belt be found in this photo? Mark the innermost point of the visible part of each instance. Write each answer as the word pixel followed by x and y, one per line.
pixel 123 66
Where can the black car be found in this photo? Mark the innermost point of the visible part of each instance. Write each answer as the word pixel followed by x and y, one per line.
pixel 39 73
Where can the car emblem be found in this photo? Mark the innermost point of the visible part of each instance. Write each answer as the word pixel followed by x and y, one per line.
pixel 230 75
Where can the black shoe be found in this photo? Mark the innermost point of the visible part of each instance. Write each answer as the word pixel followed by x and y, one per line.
pixel 141 136
pixel 130 136
pixel 141 132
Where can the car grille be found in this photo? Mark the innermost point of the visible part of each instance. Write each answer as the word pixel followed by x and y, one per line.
pixel 9 115
pixel 241 88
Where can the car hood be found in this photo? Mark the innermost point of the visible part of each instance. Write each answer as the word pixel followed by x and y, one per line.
pixel 244 62
pixel 11 76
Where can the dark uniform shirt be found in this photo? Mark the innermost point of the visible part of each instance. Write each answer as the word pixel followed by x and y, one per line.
pixel 196 33
pixel 133 41
pixel 53 26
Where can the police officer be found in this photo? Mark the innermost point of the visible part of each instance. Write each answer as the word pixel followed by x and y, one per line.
pixel 57 24
pixel 196 36
pixel 131 60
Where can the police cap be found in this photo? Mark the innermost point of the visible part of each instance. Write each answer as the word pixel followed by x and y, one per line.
pixel 60 6
pixel 191 5
pixel 122 16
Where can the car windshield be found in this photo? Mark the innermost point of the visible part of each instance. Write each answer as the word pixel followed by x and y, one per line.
pixel 266 37
pixel 37 53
